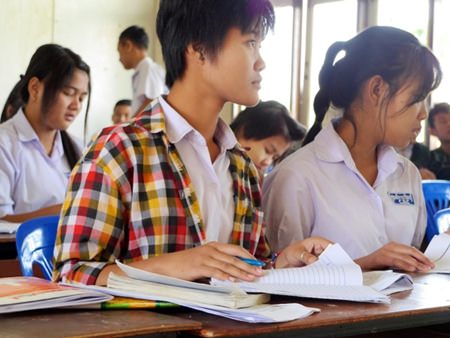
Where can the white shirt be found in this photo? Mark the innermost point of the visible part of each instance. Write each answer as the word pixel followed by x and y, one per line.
pixel 318 191
pixel 212 182
pixel 148 82
pixel 29 178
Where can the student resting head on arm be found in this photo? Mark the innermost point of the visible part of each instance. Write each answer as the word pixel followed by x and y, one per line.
pixel 347 183
pixel 172 192
pixel 36 153
pixel 266 131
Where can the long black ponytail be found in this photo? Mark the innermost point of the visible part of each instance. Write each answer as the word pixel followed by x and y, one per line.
pixel 395 55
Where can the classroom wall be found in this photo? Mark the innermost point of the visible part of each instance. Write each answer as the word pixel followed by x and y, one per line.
pixel 88 27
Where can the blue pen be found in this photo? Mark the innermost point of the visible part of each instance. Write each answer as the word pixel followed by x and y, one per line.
pixel 253 262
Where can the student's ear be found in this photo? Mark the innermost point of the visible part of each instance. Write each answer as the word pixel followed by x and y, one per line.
pixel 377 89
pixel 34 88
pixel 196 53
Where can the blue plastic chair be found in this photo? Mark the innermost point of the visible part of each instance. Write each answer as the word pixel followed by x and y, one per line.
pixel 35 241
pixel 442 220
pixel 437 197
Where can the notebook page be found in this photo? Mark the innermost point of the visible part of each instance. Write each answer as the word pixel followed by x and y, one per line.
pixel 334 254
pixel 388 281
pixel 439 252
pixel 162 279
pixel 314 274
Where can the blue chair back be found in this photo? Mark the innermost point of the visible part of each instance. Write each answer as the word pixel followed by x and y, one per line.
pixel 437 197
pixel 442 220
pixel 35 241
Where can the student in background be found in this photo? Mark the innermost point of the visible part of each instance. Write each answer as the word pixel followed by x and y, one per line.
pixel 347 182
pixel 36 154
pixel 266 131
pixel 172 192
pixel 122 112
pixel 439 122
pixel 148 77
pixel 12 104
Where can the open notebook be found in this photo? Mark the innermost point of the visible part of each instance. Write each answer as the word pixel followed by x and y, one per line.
pixel 333 276
pixel 439 252
pixel 225 301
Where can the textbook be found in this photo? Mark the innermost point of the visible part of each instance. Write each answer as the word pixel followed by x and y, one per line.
pixel 333 276
pixel 222 297
pixel 225 301
pixel 439 252
pixel 30 293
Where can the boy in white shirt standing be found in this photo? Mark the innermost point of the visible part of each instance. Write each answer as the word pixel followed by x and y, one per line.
pixel 148 78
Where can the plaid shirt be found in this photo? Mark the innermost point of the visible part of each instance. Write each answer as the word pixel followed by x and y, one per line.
pixel 131 198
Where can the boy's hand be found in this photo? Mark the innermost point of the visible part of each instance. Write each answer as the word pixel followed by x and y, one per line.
pixel 214 259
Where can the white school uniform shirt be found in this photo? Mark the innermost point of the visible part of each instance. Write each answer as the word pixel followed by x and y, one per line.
pixel 29 178
pixel 212 182
pixel 148 81
pixel 318 191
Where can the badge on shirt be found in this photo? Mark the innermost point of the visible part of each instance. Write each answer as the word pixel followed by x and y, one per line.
pixel 402 198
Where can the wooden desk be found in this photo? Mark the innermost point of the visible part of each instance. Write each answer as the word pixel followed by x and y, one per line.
pixel 82 324
pixel 428 304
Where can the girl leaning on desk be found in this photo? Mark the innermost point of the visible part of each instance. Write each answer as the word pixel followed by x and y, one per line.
pixel 347 182
pixel 36 153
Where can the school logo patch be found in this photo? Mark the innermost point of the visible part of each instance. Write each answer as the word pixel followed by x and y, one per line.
pixel 402 198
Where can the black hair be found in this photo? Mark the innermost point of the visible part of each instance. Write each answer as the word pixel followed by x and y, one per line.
pixel 205 24
pixel 438 108
pixel 267 119
pixel 55 66
pixel 124 102
pixel 395 55
pixel 12 104
pixel 136 35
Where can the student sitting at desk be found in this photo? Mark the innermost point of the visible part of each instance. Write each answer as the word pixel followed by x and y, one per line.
pixel 36 154
pixel 347 182
pixel 172 192
pixel 266 131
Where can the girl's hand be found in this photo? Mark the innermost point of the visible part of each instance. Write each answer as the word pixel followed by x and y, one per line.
pixel 397 256
pixel 301 253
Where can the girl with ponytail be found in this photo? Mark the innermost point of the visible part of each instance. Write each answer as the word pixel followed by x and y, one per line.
pixel 36 153
pixel 347 183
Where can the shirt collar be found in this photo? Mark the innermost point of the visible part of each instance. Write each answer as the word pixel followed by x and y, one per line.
pixel 330 147
pixel 178 128
pixel 26 133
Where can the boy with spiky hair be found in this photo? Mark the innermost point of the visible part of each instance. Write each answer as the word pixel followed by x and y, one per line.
pixel 172 192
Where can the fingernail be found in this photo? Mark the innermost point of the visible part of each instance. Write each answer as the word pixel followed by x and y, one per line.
pixel 231 279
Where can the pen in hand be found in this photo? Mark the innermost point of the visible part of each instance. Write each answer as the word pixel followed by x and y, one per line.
pixel 253 262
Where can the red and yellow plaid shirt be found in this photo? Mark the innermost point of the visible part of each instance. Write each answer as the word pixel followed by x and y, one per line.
pixel 131 198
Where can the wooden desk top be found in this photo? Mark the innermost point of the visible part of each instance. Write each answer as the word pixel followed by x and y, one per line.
pixel 427 304
pixel 94 323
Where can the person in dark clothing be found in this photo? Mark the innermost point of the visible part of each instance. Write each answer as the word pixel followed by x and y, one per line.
pixel 439 122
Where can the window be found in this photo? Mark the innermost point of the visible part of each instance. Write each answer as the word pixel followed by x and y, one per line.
pixel 392 13
pixel 331 21
pixel 276 50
